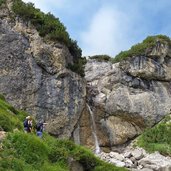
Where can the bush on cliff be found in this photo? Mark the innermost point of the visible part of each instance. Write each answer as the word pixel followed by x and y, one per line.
pixel 2 2
pixel 101 58
pixel 157 138
pixel 140 48
pixel 49 27
pixel 20 151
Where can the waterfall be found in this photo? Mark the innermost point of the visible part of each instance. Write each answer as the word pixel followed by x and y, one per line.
pixel 93 127
pixel 76 135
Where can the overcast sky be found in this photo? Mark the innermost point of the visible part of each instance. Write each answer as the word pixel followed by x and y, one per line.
pixel 109 26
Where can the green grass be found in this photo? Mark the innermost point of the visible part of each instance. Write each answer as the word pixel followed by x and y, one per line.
pixel 140 48
pixel 27 152
pixel 157 138
pixel 10 118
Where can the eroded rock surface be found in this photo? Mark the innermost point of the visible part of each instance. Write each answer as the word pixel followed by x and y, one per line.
pixel 129 96
pixel 33 76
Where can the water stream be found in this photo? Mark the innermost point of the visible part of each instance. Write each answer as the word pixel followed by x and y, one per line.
pixel 93 126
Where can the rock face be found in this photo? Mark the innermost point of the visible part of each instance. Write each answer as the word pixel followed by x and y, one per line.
pixel 138 159
pixel 33 76
pixel 129 96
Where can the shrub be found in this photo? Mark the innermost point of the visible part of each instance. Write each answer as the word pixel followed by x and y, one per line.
pixel 140 48
pixel 2 97
pixel 101 58
pixel 2 2
pixel 157 138
pixel 78 66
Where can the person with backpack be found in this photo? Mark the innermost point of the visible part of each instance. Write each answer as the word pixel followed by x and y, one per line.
pixel 40 129
pixel 28 125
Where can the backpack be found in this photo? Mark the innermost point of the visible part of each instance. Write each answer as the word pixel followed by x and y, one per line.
pixel 25 123
pixel 39 127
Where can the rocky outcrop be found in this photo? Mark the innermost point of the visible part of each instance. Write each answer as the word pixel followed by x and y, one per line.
pixel 138 159
pixel 129 96
pixel 33 76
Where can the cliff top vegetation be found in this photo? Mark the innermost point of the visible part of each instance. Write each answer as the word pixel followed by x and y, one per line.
pixel 50 28
pixel 140 48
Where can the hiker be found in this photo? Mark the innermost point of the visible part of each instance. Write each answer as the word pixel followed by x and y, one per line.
pixel 40 129
pixel 28 124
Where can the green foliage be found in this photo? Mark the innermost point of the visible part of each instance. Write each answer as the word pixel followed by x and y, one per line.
pixel 107 167
pixel 140 48
pixel 49 27
pixel 157 138
pixel 101 58
pixel 78 66
pixel 28 148
pixel 10 117
pixel 2 2
pixel 2 97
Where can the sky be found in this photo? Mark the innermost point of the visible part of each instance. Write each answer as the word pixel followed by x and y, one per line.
pixel 110 26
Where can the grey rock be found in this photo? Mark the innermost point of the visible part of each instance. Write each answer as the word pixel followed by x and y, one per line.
pixel 128 163
pixel 33 77
pixel 137 153
pixel 116 156
pixel 117 162
pixel 156 161
pixel 128 96
pixel 127 154
pixel 146 169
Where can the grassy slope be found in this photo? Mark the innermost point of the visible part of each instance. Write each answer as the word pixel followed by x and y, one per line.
pixel 27 152
pixel 157 138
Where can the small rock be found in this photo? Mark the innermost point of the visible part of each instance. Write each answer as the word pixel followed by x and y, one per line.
pixel 146 169
pixel 128 163
pixel 133 159
pixel 139 167
pixel 127 154
pixel 116 156
pixel 137 153
pixel 117 162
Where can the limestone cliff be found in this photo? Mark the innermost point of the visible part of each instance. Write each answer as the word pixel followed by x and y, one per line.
pixel 128 96
pixel 33 75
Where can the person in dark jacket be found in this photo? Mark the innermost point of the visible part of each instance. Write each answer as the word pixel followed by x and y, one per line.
pixel 28 125
pixel 40 129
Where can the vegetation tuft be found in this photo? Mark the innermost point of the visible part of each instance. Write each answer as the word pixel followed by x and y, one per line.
pixel 157 138
pixel 50 28
pixel 2 2
pixel 101 58
pixel 140 48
